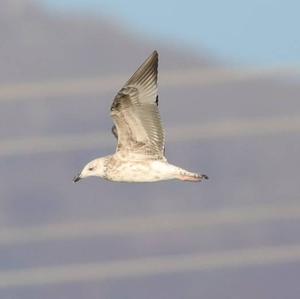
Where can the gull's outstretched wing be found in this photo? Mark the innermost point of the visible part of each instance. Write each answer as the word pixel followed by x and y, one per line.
pixel 136 115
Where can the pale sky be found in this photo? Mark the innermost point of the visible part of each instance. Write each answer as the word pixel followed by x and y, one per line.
pixel 256 32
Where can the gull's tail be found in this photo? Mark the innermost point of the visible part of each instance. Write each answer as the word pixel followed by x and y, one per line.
pixel 191 176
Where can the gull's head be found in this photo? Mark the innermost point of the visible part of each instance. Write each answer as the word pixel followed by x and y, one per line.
pixel 93 168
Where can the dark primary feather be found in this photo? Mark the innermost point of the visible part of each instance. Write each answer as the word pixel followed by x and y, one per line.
pixel 114 131
pixel 136 115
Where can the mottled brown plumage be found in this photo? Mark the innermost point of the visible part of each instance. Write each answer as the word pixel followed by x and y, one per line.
pixel 137 126
pixel 136 115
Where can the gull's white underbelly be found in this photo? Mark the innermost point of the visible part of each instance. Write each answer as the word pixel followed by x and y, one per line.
pixel 142 171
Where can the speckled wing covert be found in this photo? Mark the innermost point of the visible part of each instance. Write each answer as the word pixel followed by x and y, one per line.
pixel 135 113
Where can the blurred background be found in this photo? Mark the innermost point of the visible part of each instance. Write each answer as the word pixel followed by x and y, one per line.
pixel 229 99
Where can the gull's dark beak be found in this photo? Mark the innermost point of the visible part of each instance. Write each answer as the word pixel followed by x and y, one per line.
pixel 77 178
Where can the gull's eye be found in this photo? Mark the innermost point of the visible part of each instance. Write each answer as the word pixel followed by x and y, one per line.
pixel 91 168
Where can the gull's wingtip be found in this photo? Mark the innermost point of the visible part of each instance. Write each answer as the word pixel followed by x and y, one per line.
pixel 154 55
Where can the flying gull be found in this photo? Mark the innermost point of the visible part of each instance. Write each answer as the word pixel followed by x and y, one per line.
pixel 139 156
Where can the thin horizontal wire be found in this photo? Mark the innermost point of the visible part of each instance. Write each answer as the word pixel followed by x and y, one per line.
pixel 150 266
pixel 149 224
pixel 97 85
pixel 190 132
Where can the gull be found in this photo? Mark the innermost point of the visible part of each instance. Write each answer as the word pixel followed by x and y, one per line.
pixel 139 155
